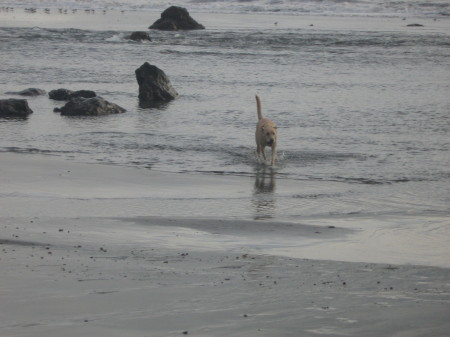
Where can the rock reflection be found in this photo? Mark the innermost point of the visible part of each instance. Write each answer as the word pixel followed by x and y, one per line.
pixel 263 200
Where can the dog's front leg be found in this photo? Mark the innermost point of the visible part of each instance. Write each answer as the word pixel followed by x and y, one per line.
pixel 263 152
pixel 274 153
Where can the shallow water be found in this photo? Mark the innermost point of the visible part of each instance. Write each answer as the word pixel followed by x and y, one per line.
pixel 362 102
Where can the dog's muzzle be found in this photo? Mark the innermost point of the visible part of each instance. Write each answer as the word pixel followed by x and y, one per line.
pixel 270 142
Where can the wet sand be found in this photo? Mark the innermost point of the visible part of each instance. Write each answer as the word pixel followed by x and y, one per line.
pixel 233 211
pixel 70 268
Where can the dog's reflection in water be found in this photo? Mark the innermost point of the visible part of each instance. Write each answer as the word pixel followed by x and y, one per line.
pixel 263 198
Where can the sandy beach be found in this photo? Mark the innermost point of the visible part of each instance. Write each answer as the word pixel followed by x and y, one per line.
pixel 162 221
pixel 72 268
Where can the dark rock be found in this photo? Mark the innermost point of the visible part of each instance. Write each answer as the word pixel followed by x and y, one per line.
pixel 166 25
pixel 154 85
pixel 60 94
pixel 83 93
pixel 140 36
pixel 13 107
pixel 176 18
pixel 29 92
pixel 414 25
pixel 94 106
pixel 67 95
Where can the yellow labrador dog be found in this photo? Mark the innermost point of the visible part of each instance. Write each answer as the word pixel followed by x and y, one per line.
pixel 266 134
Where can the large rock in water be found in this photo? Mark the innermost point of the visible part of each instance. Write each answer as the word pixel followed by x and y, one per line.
pixel 176 18
pixel 66 95
pixel 154 85
pixel 94 106
pixel 13 107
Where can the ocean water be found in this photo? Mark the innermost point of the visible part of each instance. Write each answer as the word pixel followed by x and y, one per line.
pixel 361 101
pixel 301 7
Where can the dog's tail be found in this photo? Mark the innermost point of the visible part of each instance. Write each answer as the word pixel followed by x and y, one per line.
pixel 258 107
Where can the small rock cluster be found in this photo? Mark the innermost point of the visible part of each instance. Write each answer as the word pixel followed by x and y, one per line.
pixel 154 85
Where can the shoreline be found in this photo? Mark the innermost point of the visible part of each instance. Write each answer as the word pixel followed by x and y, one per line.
pixel 230 211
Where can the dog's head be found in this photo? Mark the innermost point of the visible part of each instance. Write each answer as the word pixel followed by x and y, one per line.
pixel 270 134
